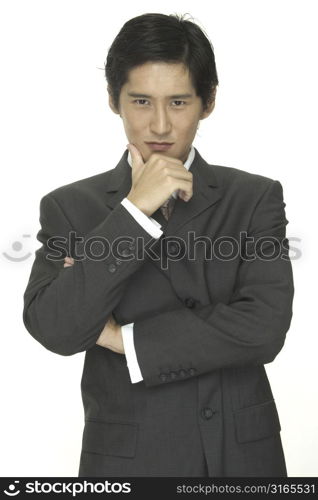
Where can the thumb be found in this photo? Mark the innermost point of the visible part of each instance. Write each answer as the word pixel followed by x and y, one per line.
pixel 136 158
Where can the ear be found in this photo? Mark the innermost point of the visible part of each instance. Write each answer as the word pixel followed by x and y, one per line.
pixel 210 107
pixel 111 102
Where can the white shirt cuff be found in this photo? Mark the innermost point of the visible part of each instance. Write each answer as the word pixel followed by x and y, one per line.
pixel 127 332
pixel 148 223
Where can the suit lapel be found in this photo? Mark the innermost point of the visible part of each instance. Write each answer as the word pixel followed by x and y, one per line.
pixel 206 192
pixel 119 183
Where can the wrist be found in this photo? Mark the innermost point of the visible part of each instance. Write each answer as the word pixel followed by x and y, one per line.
pixel 137 204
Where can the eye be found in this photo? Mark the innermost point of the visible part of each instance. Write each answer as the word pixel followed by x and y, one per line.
pixel 139 100
pixel 183 102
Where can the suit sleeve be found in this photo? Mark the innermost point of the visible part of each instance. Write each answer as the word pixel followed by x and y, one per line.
pixel 250 329
pixel 65 309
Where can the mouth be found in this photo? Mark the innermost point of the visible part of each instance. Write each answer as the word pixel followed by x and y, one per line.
pixel 159 146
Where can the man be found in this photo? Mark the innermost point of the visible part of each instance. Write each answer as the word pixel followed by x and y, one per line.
pixel 177 284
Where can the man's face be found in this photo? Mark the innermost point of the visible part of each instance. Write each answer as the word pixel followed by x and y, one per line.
pixel 160 117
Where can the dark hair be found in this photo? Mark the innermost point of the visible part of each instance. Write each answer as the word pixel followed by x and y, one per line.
pixel 167 38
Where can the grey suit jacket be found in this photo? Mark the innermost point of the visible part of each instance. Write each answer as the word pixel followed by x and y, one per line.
pixel 203 327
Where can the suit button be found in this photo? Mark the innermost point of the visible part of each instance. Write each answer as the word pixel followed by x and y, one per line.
pixel 163 377
pixel 118 262
pixel 173 375
pixel 192 371
pixel 207 413
pixel 189 302
pixel 182 373
pixel 125 252
pixel 112 268
pixel 173 249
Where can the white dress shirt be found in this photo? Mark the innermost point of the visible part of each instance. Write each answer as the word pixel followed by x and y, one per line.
pixel 153 228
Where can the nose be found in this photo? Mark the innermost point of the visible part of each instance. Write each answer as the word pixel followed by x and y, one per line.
pixel 160 122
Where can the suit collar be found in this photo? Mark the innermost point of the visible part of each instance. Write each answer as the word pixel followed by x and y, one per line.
pixel 206 191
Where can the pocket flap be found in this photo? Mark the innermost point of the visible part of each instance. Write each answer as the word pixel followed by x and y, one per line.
pixel 110 438
pixel 257 422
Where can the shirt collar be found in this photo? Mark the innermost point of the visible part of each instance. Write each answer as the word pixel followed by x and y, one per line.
pixel 187 163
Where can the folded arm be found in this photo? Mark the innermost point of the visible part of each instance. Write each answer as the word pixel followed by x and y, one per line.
pixel 65 309
pixel 250 329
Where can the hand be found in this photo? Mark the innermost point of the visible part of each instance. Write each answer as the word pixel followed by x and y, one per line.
pixel 69 261
pixel 111 336
pixel 153 182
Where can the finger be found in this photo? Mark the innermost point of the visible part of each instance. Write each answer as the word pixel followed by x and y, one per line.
pixel 69 261
pixel 136 158
pixel 180 173
pixel 185 189
pixel 183 195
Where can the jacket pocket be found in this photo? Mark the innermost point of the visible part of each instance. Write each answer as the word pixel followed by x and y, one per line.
pixel 110 438
pixel 256 422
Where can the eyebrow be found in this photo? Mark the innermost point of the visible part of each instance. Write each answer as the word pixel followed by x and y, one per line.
pixel 175 96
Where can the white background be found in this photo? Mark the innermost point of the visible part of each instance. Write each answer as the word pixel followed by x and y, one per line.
pixel 56 127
